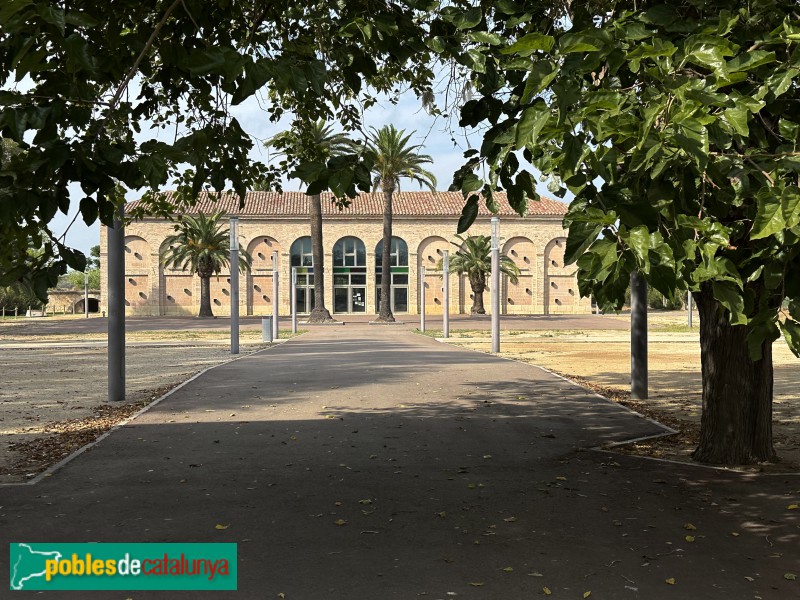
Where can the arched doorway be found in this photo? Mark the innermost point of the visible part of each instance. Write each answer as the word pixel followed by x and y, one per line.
pixel 259 279
pixel 399 272
pixel 349 276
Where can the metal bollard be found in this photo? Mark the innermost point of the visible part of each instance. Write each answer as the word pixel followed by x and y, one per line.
pixel 266 329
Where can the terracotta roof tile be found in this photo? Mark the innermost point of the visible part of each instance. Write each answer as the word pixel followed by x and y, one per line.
pixel 405 204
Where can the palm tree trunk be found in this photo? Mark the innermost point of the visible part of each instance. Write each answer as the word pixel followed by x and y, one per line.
pixel 385 313
pixel 319 314
pixel 205 297
pixel 478 285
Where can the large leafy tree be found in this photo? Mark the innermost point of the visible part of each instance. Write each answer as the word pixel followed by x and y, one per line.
pixel 202 246
pixel 308 144
pixel 393 158
pixel 474 258
pixel 676 127
pixel 78 80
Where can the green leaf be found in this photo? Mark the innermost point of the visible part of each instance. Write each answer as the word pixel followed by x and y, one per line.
pixel 88 208
pixel 468 214
pixel 533 119
pixel 639 243
pixel 731 298
pixel 484 37
pixel 339 181
pixel 579 238
pixel 530 43
pixel 791 333
pixel 769 218
pixel 541 74
pixel 750 60
pixel 578 42
pixel 471 183
pixel 737 118
pixel 790 204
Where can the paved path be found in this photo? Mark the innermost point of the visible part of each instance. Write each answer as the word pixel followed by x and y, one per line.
pixel 450 467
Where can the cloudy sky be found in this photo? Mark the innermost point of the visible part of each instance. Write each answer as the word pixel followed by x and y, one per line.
pixel 406 114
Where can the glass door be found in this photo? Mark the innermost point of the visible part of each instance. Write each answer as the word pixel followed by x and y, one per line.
pixel 304 301
pixel 350 292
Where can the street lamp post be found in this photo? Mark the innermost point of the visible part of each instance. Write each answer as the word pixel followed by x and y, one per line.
pixel 422 298
pixel 234 285
pixel 446 293
pixel 116 308
pixel 638 336
pixel 86 293
pixel 294 299
pixel 275 289
pixel 495 278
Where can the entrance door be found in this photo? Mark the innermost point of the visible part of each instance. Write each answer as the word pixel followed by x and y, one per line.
pixel 349 293
pixel 304 301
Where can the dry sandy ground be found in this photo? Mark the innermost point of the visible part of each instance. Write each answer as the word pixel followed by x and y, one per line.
pixel 601 360
pixel 59 395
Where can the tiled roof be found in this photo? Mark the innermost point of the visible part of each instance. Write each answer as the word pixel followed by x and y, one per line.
pixel 404 204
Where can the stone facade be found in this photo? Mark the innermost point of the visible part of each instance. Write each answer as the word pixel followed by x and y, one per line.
pixel 536 243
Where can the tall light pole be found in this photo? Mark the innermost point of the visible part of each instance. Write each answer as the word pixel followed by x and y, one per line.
pixel 116 307
pixel 495 278
pixel 275 289
pixel 86 293
pixel 689 308
pixel 422 298
pixel 293 299
pixel 638 336
pixel 446 293
pixel 234 285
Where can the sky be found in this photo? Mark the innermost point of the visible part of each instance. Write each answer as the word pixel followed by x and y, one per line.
pixel 406 114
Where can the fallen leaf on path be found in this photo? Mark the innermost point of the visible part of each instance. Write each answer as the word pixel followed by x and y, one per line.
pixel 670 581
pixel 442 514
pixel 535 575
pixel 689 527
pixel 789 576
pixel 689 538
pixel 510 519
pixel 749 578
pixel 561 478
pixel 218 526
pixel 340 522
pixel 587 594
pixel 793 507
pixel 476 583
pixel 509 569
pixel 734 534
pixel 546 591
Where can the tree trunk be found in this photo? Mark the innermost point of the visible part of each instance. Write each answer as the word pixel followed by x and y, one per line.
pixel 205 297
pixel 385 310
pixel 319 314
pixel 736 423
pixel 478 285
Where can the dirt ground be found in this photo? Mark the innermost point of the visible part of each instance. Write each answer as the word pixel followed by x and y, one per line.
pixel 53 399
pixel 600 360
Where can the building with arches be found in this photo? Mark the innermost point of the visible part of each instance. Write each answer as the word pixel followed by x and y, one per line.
pixel 274 228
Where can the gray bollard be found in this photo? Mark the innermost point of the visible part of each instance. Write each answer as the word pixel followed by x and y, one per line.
pixel 266 329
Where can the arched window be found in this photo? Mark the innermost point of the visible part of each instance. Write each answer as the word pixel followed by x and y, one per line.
pixel 301 258
pixel 349 276
pixel 398 265
pixel 399 253
pixel 300 252
pixel 349 252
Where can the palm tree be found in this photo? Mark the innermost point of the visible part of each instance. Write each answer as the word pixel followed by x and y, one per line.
pixel 202 246
pixel 319 142
pixel 392 158
pixel 474 257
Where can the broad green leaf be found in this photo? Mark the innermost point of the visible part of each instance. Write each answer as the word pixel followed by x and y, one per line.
pixel 769 218
pixel 731 298
pixel 750 60
pixel 580 41
pixel 790 204
pixel 737 118
pixel 579 238
pixel 471 183
pixel 639 243
pixel 533 120
pixel 468 214
pixel 541 74
pixel 530 43
pixel 791 333
pixel 88 208
pixel 339 181
pixel 484 37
